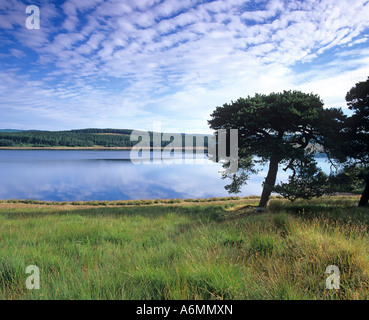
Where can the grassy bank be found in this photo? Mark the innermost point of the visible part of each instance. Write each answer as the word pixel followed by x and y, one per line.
pixel 19 203
pixel 194 251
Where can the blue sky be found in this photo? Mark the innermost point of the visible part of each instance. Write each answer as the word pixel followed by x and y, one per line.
pixel 127 64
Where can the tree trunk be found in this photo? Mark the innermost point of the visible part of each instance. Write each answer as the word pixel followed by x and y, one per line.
pixel 269 181
pixel 365 196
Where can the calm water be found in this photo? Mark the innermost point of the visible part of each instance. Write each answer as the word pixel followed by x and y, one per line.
pixel 61 175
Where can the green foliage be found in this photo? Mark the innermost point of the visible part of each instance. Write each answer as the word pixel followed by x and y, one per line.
pixel 306 182
pixel 309 181
pixel 278 128
pixel 357 125
pixel 351 178
pixel 356 132
pixel 64 139
pixel 6 143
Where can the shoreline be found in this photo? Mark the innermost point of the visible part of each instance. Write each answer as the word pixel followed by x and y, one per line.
pixel 38 204
pixel 246 200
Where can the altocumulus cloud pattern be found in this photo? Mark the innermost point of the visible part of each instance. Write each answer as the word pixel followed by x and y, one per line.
pixel 125 64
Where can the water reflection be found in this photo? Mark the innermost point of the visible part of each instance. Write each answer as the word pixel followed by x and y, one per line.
pixel 54 175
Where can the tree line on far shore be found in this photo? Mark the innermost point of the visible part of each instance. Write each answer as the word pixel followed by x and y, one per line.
pixel 110 138
pixel 73 138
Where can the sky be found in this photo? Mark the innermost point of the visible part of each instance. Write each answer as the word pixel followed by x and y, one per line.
pixel 130 64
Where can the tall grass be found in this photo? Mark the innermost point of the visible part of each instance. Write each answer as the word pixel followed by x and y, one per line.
pixel 186 252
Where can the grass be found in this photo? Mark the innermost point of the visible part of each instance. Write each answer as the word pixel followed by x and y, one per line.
pixel 195 251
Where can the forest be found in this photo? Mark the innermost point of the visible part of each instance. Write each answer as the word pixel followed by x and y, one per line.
pixel 92 137
pixel 73 138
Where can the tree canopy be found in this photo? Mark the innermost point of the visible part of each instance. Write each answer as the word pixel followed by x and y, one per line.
pixel 280 128
pixel 357 132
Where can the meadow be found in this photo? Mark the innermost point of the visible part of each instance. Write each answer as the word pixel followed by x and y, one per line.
pixel 185 250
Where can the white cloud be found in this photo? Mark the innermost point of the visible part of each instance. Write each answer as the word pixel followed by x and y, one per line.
pixel 128 62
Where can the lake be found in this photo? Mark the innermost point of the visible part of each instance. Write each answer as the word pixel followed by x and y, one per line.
pixel 79 175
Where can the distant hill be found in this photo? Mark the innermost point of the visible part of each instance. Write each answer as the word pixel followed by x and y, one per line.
pixel 11 130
